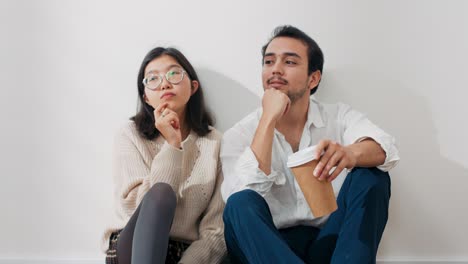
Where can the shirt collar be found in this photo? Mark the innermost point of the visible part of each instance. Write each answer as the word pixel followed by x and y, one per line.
pixel 314 115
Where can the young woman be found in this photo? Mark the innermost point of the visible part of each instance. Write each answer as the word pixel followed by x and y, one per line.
pixel 167 172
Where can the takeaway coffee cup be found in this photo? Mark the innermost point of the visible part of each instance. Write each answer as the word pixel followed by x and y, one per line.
pixel 318 194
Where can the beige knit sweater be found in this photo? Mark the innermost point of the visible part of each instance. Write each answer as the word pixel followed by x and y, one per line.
pixel 194 174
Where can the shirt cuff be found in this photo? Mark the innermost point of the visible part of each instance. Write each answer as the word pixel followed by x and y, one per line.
pixel 387 143
pixel 391 153
pixel 253 177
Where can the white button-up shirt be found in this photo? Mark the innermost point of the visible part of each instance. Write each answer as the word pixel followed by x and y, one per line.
pixel 337 122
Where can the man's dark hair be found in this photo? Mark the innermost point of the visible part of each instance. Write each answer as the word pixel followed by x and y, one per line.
pixel 196 114
pixel 314 53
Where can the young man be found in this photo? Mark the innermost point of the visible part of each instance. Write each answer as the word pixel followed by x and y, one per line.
pixel 267 219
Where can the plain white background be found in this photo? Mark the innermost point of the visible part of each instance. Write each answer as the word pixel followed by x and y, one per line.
pixel 68 81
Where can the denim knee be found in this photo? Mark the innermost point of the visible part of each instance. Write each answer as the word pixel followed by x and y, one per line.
pixel 240 203
pixel 371 179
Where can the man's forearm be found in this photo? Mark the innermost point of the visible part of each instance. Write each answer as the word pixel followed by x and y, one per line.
pixel 262 143
pixel 368 153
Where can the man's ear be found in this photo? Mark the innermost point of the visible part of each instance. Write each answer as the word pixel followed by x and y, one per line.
pixel 314 79
pixel 194 87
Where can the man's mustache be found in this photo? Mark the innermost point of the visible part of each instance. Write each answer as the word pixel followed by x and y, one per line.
pixel 275 79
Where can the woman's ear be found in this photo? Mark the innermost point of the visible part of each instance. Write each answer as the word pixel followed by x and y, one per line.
pixel 194 87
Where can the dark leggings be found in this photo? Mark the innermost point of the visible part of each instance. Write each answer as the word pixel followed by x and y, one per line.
pixel 145 237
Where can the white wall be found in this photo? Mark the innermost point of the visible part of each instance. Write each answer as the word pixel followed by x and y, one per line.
pixel 68 81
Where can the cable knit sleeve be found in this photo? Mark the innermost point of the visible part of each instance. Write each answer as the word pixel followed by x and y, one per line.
pixel 210 247
pixel 133 176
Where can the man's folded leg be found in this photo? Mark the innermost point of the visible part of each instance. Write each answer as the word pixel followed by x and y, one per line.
pixel 352 233
pixel 251 236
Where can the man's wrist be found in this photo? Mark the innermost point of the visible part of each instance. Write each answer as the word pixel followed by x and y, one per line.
pixel 355 152
pixel 268 120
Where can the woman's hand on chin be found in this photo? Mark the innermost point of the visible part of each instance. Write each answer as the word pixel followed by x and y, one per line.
pixel 167 122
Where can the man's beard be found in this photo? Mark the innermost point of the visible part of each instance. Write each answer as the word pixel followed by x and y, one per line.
pixel 295 96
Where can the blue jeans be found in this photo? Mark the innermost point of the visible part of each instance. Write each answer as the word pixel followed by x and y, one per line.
pixel 351 234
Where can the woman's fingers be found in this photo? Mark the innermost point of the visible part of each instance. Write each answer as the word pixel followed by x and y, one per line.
pixel 160 110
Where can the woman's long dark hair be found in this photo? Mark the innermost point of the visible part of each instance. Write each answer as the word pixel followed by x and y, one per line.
pixel 196 115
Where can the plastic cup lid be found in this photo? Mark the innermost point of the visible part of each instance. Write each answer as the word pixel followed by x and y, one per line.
pixel 301 157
